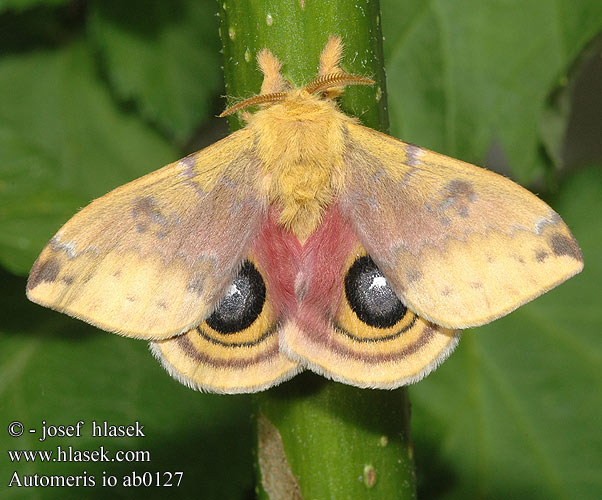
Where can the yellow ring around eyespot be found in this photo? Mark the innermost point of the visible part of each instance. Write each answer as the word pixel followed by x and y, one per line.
pixel 262 327
pixel 381 334
pixel 348 323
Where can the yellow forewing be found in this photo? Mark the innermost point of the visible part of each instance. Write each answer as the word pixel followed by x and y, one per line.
pixel 150 258
pixel 461 245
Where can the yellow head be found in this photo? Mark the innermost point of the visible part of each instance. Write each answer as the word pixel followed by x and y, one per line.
pixel 300 134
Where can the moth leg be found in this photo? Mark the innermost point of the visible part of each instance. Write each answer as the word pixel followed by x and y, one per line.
pixel 273 86
pixel 331 56
pixel 270 67
pixel 329 63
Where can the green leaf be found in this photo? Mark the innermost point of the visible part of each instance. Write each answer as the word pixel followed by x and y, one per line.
pixel 31 201
pixel 63 142
pixel 296 33
pixel 60 370
pixel 162 55
pixel 28 4
pixel 466 75
pixel 515 411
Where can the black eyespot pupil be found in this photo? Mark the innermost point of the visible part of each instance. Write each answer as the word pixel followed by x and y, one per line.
pixel 370 296
pixel 242 302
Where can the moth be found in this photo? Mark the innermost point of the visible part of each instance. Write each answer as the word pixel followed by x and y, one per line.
pixel 304 241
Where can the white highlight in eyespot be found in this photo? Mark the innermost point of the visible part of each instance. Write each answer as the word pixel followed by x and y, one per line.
pixel 232 290
pixel 378 282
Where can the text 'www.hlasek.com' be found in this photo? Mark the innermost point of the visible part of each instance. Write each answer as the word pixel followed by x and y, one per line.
pixel 28 454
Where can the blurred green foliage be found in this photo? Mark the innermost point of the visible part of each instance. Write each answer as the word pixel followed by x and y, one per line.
pixel 95 94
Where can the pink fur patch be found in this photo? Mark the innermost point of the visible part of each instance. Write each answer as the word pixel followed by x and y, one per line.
pixel 321 276
pixel 305 282
pixel 278 254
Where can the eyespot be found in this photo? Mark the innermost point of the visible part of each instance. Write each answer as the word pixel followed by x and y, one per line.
pixel 370 296
pixel 242 302
pixel 236 349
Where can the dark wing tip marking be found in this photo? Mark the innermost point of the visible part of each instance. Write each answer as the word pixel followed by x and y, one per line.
pixel 47 271
pixel 563 245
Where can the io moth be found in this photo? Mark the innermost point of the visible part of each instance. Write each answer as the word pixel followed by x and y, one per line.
pixel 304 241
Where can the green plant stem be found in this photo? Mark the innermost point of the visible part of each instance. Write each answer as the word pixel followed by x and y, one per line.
pixel 318 438
pixel 297 35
